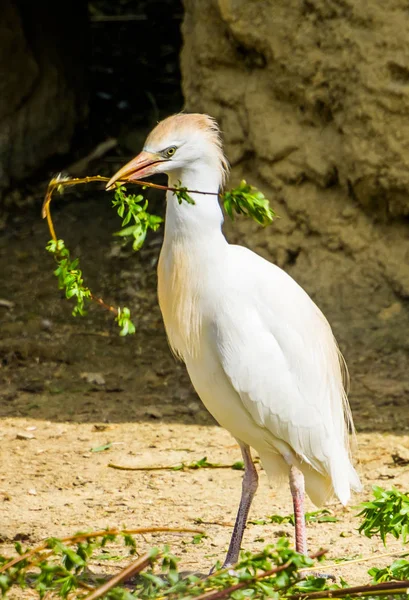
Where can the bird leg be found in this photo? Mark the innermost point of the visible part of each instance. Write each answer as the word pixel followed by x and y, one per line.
pixel 297 487
pixel 249 488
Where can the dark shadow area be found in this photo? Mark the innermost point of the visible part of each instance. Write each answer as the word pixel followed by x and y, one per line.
pixel 74 76
pixel 134 71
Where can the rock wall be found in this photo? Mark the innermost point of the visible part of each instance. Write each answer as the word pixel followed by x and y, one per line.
pixel 313 100
pixel 43 85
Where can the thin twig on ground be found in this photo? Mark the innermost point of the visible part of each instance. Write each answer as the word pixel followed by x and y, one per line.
pixel 135 567
pixel 177 467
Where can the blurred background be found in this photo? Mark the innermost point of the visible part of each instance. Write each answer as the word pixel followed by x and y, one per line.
pixel 312 97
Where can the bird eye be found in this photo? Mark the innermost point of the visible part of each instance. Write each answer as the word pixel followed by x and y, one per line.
pixel 170 151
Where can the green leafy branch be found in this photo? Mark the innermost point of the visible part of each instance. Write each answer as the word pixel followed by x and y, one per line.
pixel 71 281
pixel 132 208
pixel 69 276
pixel 136 222
pixel 182 194
pixel 249 201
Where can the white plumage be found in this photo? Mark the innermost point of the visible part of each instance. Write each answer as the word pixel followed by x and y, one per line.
pixel 259 352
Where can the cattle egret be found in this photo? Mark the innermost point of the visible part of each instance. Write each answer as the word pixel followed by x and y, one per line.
pixel 259 353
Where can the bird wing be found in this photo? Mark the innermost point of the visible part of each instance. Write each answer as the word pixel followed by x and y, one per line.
pixel 279 353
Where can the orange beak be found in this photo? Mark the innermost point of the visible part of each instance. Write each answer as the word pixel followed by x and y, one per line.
pixel 143 165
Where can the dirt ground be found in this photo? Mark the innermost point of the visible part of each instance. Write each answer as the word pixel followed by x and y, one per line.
pixel 70 385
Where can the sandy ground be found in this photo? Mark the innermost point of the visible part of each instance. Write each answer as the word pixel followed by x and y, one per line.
pixel 54 411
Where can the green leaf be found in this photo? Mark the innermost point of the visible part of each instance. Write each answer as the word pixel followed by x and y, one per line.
pixel 133 207
pixel 248 200
pixel 320 516
pixel 139 239
pixel 102 448
pixel 238 466
pixel 198 537
pixel 183 195
pixel 126 219
pixel 128 231
pixel 124 321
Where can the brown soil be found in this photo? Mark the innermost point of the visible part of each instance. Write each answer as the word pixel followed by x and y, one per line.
pixel 53 414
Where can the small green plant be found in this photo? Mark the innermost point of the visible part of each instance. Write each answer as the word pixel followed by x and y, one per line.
pixel 398 571
pixel 318 516
pixel 197 539
pixel 202 463
pixel 387 513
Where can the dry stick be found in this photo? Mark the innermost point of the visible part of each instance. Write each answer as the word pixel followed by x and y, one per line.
pixel 56 183
pixel 132 569
pixel 219 523
pixel 177 467
pixel 78 537
pixel 398 587
pixel 99 301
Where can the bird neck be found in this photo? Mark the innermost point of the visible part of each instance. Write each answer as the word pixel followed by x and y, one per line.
pixel 192 251
pixel 199 221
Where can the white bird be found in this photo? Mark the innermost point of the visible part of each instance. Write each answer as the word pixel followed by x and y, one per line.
pixel 259 352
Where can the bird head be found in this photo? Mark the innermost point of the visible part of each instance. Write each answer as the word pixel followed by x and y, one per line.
pixel 180 142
